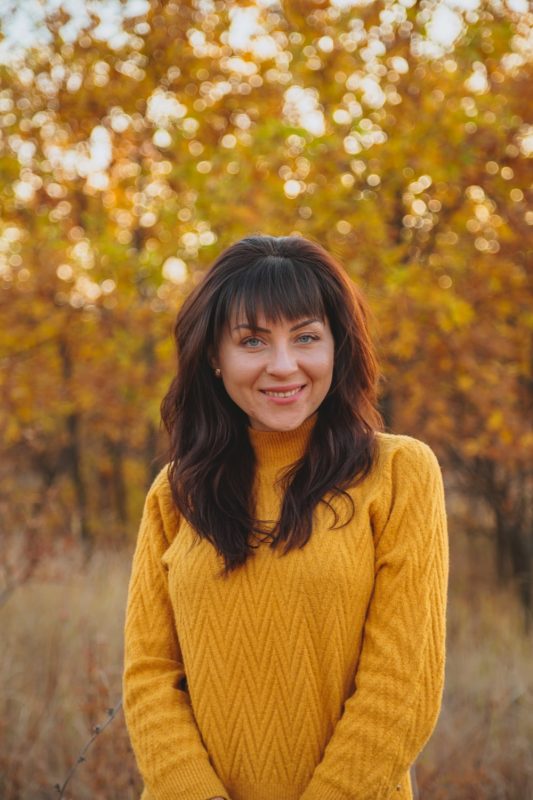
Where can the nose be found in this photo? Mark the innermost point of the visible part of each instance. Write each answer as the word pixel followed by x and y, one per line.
pixel 282 361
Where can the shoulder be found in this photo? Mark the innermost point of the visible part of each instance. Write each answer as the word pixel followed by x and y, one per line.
pixel 160 503
pixel 405 459
pixel 160 485
pixel 409 494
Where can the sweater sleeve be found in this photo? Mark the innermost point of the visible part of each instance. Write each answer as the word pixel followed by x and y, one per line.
pixel 400 675
pixel 167 744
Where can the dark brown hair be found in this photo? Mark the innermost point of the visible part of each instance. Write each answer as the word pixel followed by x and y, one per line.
pixel 212 462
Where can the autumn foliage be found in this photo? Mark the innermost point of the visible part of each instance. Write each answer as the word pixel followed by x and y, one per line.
pixel 128 163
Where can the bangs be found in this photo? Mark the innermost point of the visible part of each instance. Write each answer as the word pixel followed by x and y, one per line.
pixel 275 287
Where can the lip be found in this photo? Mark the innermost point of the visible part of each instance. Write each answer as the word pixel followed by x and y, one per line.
pixel 297 388
pixel 285 387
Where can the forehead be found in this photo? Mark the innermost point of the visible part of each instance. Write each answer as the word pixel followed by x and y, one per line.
pixel 260 319
pixel 270 290
pixel 261 312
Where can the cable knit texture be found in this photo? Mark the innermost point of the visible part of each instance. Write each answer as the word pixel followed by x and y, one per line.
pixel 311 676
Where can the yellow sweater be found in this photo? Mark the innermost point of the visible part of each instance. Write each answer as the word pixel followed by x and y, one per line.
pixel 311 676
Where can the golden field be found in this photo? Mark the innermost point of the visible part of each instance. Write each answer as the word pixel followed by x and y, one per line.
pixel 60 672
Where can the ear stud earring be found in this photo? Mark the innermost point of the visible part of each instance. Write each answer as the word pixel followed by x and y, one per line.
pixel 218 373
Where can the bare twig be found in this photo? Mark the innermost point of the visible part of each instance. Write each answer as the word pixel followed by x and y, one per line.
pixel 97 730
pixel 17 580
pixel 5 593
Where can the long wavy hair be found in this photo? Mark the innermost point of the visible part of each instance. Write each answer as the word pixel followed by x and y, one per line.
pixel 212 462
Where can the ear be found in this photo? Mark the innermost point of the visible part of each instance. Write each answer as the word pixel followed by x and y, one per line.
pixel 212 358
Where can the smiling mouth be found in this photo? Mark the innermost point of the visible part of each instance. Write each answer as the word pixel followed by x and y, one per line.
pixel 289 393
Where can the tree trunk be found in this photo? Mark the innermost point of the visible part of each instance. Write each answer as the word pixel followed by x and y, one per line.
pixel 73 452
pixel 116 452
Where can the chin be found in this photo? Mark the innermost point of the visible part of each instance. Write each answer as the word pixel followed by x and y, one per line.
pixel 280 425
pixel 288 426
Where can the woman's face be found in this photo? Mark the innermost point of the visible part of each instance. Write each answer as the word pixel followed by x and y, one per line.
pixel 278 373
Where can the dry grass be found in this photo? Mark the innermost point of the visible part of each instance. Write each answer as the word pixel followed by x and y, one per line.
pixel 60 671
pixel 482 748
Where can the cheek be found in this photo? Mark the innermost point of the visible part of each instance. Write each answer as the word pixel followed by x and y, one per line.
pixel 239 372
pixel 322 366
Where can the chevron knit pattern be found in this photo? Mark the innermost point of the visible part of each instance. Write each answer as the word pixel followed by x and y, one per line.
pixel 311 676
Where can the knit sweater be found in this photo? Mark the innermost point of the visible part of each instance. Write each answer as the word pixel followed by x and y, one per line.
pixel 315 675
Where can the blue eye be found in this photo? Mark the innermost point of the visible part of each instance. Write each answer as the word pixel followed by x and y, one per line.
pixel 308 337
pixel 252 342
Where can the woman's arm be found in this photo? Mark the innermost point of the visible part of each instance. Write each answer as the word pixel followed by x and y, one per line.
pixel 167 744
pixel 399 679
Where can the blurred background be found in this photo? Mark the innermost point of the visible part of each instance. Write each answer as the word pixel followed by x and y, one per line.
pixel 137 140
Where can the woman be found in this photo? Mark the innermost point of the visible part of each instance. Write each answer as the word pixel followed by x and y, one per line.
pixel 286 610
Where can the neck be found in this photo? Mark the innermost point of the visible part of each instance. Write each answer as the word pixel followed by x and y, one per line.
pixel 281 448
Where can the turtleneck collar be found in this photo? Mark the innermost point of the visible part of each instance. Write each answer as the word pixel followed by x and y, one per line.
pixel 281 448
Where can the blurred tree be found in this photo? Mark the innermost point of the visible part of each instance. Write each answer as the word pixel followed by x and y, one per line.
pixel 395 133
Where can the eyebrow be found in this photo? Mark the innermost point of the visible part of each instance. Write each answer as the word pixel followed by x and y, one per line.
pixel 267 330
